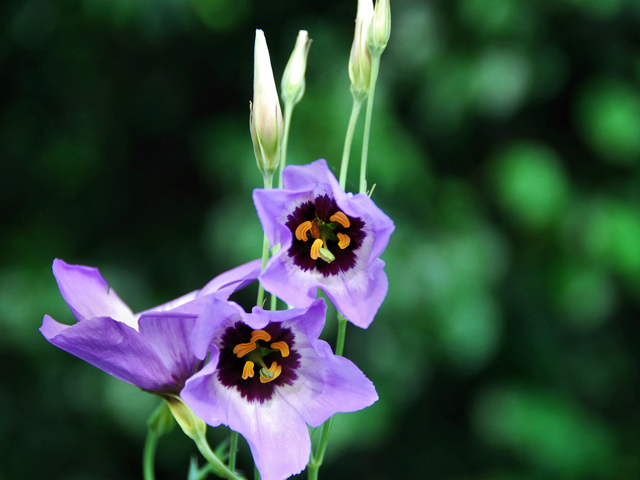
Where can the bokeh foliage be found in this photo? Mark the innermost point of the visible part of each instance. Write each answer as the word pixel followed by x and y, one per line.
pixel 505 145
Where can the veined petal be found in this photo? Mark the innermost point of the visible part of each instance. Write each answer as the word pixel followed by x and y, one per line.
pixel 168 334
pixel 88 294
pixel 211 322
pixel 114 347
pixel 327 384
pixel 276 433
pixel 221 287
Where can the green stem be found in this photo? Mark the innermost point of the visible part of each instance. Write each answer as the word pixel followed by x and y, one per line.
pixel 288 112
pixel 342 330
pixel 268 183
pixel 375 67
pixel 207 453
pixel 316 460
pixel 353 120
pixel 233 449
pixel 256 473
pixel 149 455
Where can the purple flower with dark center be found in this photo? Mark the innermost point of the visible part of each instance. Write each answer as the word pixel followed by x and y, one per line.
pixel 269 376
pixel 151 349
pixel 328 239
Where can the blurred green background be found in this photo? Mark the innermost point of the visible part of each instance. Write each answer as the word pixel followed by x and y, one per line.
pixel 505 145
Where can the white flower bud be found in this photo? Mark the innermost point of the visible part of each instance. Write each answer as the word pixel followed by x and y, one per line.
pixel 266 116
pixel 293 82
pixel 360 58
pixel 380 28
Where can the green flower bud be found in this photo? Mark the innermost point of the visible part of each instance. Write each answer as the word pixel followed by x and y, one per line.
pixel 380 28
pixel 360 58
pixel 293 82
pixel 265 120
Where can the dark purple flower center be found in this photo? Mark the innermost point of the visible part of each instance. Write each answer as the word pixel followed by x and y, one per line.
pixel 257 361
pixel 324 238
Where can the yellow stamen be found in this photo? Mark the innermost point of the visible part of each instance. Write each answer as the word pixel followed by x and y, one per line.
pixel 301 231
pixel 344 240
pixel 247 371
pixel 260 335
pixel 341 218
pixel 243 348
pixel 275 369
pixel 315 248
pixel 282 346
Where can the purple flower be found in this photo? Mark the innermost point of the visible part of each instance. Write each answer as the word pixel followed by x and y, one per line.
pixel 268 377
pixel 328 239
pixel 150 349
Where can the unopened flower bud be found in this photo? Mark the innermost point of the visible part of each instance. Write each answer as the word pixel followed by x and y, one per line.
pixel 293 82
pixel 266 116
pixel 380 28
pixel 360 58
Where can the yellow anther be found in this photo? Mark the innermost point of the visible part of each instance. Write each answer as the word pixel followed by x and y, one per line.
pixel 282 346
pixel 275 369
pixel 344 240
pixel 243 348
pixel 260 335
pixel 247 371
pixel 301 231
pixel 315 248
pixel 341 218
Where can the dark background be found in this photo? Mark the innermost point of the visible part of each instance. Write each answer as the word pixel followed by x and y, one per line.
pixel 505 146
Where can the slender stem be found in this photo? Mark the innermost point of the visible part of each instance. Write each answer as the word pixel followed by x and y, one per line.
pixel 233 450
pixel 256 473
pixel 149 454
pixel 211 457
pixel 342 330
pixel 288 112
pixel 274 302
pixel 375 67
pixel 316 460
pixel 268 183
pixel 353 120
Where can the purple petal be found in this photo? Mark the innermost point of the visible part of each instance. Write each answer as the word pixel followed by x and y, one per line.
pixel 382 225
pixel 313 317
pixel 211 324
pixel 327 384
pixel 235 279
pixel 293 285
pixel 360 298
pixel 88 294
pixel 273 207
pixel 221 287
pixel 277 435
pixel 306 177
pixel 168 334
pixel 114 347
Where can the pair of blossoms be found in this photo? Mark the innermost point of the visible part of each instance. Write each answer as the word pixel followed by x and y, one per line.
pixel 265 374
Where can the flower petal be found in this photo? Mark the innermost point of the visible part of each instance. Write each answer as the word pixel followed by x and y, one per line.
pixel 277 435
pixel 221 287
pixel 114 347
pixel 327 384
pixel 211 324
pixel 235 279
pixel 360 298
pixel 168 333
pixel 88 294
pixel 306 177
